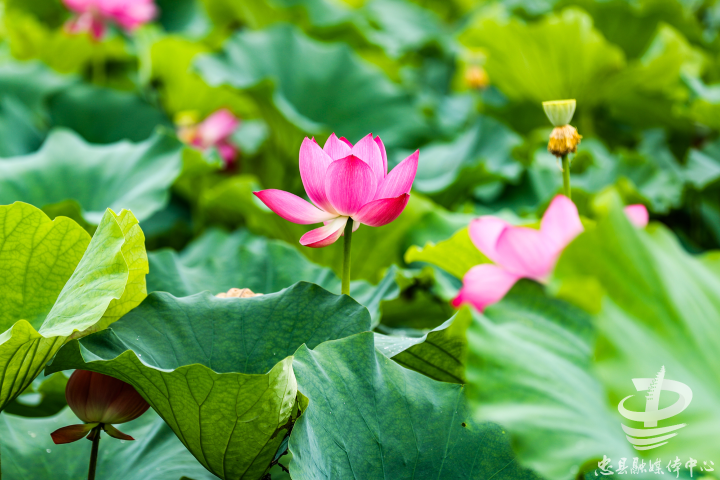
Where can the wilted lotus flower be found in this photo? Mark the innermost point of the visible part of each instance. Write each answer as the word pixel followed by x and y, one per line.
pixel 100 401
pixel 523 252
pixel 564 138
pixel 94 15
pixel 344 182
pixel 214 131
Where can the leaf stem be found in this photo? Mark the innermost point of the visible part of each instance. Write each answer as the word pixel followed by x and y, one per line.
pixel 346 257
pixel 98 66
pixel 94 452
pixel 566 175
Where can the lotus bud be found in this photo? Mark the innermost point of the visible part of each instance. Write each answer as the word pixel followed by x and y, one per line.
pixel 238 293
pixel 476 77
pixel 99 401
pixel 564 138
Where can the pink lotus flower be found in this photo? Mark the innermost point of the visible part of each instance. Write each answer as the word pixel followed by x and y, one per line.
pixel 99 401
pixel 522 252
pixel 94 15
pixel 214 131
pixel 344 181
pixel 637 214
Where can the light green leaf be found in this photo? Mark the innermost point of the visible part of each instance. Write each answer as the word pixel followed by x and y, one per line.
pixel 657 306
pixel 181 90
pixel 541 60
pixel 371 418
pixel 44 397
pixel 530 370
pixel 156 454
pixel 439 354
pixel 219 370
pixel 57 283
pixel 218 261
pixel 122 175
pixel 456 255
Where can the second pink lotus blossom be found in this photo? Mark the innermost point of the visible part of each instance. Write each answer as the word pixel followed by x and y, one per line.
pixel 93 16
pixel 523 252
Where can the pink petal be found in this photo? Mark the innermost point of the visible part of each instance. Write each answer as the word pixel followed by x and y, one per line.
pixel 292 208
pixel 314 163
pixel 349 184
pixel 346 141
pixel 324 236
pixel 381 146
pixel 129 14
pixel 484 285
pixel 336 149
pixel 526 252
pixel 217 127
pixel 484 233
pixel 227 151
pixel 400 179
pixel 79 6
pixel 638 215
pixel 383 211
pixel 369 152
pixel 561 222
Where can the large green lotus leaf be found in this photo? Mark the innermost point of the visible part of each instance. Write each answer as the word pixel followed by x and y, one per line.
pixel 648 91
pixel 231 203
pixel 315 87
pixel 368 417
pixel 29 452
pixel 396 26
pixel 529 369
pixel 632 25
pixel 439 353
pixel 30 39
pixel 219 370
pixel 182 90
pixel 122 175
pixel 451 170
pixel 104 115
pixel 44 397
pixel 19 133
pixel 23 115
pixel 560 56
pixel 657 306
pixel 57 282
pixel 218 261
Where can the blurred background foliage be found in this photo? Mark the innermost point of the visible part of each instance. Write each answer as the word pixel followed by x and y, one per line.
pixel 86 125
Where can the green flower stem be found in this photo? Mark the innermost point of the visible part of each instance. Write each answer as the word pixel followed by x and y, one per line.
pixel 566 175
pixel 94 452
pixel 346 257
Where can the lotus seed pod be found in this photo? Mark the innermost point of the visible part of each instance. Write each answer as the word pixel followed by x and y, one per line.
pixel 559 112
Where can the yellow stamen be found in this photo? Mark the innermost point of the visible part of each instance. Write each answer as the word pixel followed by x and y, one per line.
pixel 563 140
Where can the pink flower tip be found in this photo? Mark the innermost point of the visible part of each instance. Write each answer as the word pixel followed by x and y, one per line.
pixel 638 215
